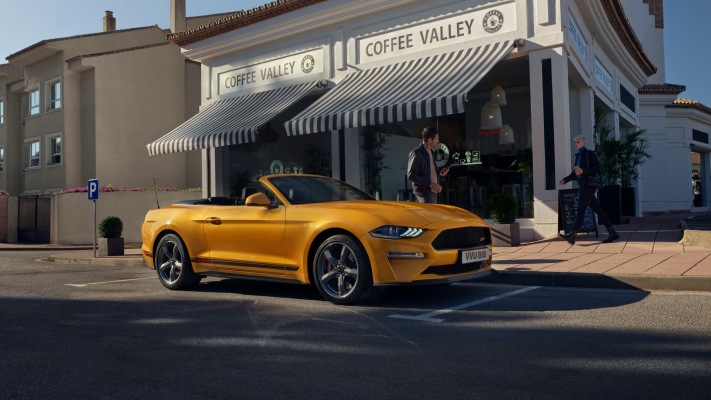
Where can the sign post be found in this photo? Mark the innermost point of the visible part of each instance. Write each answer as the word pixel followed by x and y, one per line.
pixel 93 191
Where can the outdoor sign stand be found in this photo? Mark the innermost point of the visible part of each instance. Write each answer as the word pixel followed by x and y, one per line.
pixel 567 212
pixel 93 191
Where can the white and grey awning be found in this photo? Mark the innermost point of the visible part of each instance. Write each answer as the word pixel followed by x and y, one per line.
pixel 426 87
pixel 230 121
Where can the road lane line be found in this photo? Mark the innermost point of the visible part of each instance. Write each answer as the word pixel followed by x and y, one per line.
pixel 428 316
pixel 101 283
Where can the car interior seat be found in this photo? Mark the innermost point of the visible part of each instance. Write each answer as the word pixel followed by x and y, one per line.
pixel 297 196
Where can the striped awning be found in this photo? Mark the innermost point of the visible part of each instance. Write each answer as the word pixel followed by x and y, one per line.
pixel 230 121
pixel 426 87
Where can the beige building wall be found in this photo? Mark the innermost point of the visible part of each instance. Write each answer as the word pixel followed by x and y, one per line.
pixel 155 81
pixel 119 91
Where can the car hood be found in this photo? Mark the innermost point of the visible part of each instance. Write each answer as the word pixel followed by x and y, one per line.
pixel 406 213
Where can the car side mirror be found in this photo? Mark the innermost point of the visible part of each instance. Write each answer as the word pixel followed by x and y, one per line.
pixel 258 199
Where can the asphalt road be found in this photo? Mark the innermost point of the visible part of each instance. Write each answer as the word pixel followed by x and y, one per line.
pixel 97 332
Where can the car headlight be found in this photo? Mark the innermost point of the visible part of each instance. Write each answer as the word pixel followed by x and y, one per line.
pixel 396 232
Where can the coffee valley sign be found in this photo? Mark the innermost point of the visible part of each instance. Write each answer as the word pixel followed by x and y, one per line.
pixel 473 25
pixel 282 69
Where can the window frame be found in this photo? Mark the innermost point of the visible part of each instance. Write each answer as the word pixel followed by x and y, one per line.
pixel 27 154
pixel 50 149
pixel 2 110
pixel 51 102
pixel 30 106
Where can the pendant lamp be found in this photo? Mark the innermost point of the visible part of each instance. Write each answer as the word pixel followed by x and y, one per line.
pixel 491 116
pixel 506 135
pixel 498 96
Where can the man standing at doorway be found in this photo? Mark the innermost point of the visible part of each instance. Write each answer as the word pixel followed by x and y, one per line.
pixel 422 170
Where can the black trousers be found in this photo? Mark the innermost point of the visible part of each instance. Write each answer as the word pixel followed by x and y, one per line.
pixel 586 198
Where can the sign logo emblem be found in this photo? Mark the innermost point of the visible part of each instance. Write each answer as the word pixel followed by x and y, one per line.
pixel 493 21
pixel 277 167
pixel 307 63
pixel 441 155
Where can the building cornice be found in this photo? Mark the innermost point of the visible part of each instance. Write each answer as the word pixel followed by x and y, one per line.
pixel 238 20
pixel 617 17
pixel 662 88
pixel 48 41
pixel 690 104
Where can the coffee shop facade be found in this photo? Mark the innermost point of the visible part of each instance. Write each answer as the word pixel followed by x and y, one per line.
pixel 344 89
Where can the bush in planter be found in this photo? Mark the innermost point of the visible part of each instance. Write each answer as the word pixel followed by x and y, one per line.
pixel 111 227
pixel 502 208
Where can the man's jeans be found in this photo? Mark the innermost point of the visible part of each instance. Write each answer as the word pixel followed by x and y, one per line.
pixel 430 197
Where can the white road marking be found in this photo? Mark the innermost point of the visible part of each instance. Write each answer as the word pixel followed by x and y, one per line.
pixel 428 316
pixel 101 283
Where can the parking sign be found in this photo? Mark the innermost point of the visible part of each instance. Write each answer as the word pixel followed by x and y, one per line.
pixel 93 189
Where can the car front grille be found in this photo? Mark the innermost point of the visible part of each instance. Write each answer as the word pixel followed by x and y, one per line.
pixel 462 238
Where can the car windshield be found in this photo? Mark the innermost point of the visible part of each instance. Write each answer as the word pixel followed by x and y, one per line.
pixel 301 189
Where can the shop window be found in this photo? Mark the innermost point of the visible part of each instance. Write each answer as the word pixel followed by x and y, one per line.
pixel 54 94
pixel 307 154
pixel 34 104
pixel 54 149
pixel 627 98
pixel 699 136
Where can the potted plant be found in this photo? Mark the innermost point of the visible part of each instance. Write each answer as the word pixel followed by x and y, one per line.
pixel 502 209
pixel 110 240
pixel 608 150
pixel 634 153
pixel 619 162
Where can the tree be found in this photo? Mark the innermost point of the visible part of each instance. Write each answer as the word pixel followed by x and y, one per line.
pixel 374 162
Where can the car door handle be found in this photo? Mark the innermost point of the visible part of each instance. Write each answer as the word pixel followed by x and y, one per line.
pixel 214 220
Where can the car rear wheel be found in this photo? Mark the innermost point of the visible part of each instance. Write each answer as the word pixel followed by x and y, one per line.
pixel 173 264
pixel 342 271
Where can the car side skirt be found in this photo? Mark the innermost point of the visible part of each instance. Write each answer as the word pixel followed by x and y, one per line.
pixel 252 278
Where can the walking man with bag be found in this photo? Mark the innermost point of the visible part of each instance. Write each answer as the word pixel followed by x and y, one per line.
pixel 586 172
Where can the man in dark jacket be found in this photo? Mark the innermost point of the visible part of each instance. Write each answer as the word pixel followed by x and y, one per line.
pixel 422 169
pixel 586 166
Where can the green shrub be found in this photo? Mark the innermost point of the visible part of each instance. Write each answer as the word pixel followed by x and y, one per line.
pixel 111 227
pixel 502 208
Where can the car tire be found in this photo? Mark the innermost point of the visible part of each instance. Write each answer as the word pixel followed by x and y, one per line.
pixel 172 263
pixel 341 270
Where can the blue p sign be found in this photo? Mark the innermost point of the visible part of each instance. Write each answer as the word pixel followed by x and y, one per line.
pixel 93 189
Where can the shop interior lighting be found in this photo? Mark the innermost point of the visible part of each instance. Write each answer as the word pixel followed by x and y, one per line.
pixel 498 96
pixel 491 116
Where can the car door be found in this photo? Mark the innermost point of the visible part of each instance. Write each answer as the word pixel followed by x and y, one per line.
pixel 248 240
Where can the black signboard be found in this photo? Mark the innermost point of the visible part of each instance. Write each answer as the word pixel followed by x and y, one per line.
pixel 567 211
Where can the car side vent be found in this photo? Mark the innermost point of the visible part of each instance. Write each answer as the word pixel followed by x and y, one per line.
pixel 461 238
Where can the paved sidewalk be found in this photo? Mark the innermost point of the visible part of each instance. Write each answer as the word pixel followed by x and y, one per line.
pixel 648 256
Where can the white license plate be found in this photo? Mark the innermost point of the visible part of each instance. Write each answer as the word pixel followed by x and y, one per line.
pixel 476 255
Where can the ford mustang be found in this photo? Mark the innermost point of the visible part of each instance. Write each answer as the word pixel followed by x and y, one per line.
pixel 311 229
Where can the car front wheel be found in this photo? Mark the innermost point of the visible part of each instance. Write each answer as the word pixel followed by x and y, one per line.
pixel 342 271
pixel 173 265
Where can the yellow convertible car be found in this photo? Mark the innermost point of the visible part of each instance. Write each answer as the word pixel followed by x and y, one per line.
pixel 311 229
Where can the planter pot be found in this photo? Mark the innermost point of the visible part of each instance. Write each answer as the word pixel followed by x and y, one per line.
pixel 610 201
pixel 505 235
pixel 110 247
pixel 629 203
